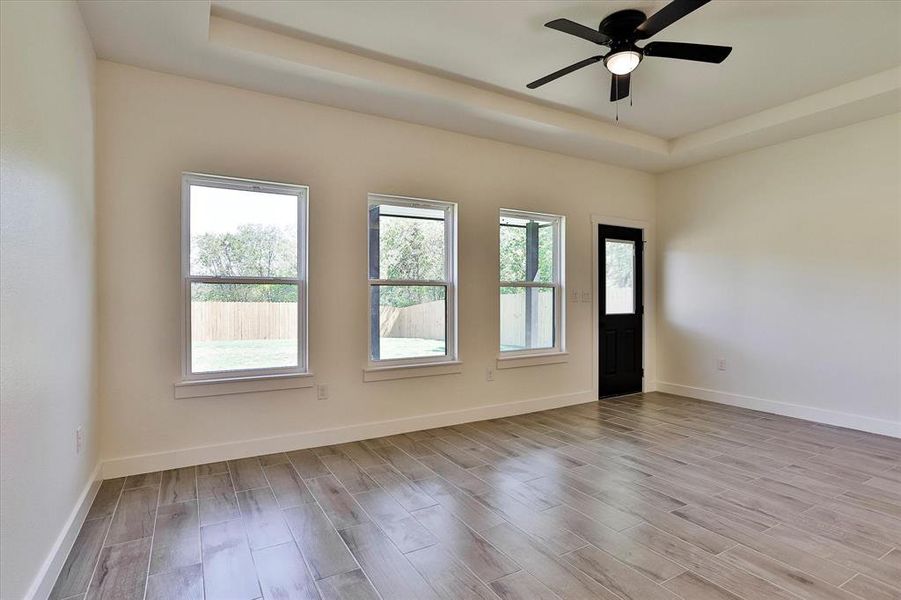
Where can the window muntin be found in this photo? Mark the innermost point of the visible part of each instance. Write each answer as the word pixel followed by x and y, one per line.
pixel 531 282
pixel 244 273
pixel 412 287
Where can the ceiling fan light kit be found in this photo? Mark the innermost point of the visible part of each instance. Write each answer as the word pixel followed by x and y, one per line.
pixel 622 62
pixel 621 31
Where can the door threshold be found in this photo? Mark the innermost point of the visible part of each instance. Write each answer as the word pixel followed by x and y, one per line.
pixel 619 395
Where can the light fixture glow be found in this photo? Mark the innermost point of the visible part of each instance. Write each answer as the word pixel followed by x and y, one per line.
pixel 622 63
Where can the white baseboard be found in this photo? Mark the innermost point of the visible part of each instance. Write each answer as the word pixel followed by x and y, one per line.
pixel 53 564
pixel 809 413
pixel 144 463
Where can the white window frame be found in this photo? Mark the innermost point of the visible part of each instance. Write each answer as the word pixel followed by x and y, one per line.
pixel 449 282
pixel 558 222
pixel 302 193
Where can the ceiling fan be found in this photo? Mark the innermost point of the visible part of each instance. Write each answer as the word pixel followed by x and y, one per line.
pixel 621 31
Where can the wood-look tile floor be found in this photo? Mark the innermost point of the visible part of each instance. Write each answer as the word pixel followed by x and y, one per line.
pixel 640 498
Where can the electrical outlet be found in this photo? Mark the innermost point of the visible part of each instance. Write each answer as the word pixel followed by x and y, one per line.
pixel 79 439
pixel 322 392
pixel 574 295
pixel 489 374
pixel 721 364
pixel 586 296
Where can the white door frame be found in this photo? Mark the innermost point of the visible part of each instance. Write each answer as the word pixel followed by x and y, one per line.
pixel 647 319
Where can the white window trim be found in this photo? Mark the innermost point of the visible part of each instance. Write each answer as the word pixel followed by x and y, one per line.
pixel 302 193
pixel 558 284
pixel 449 283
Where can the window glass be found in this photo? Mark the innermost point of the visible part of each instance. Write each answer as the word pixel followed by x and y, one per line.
pixel 239 233
pixel 244 277
pixel 527 318
pixel 527 249
pixel 531 316
pixel 620 273
pixel 412 321
pixel 243 326
pixel 411 243
pixel 411 287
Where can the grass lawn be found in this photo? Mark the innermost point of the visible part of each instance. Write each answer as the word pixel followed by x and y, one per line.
pixel 232 355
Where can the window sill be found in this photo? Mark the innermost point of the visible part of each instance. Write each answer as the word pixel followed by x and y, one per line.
pixel 409 371
pixel 242 385
pixel 531 360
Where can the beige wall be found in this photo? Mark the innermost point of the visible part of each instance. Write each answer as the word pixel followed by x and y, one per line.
pixel 786 261
pixel 151 127
pixel 47 340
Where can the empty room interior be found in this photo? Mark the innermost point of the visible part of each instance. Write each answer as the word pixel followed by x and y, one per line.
pixel 413 300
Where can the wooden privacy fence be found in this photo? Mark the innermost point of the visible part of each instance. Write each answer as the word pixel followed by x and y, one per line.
pixel 227 321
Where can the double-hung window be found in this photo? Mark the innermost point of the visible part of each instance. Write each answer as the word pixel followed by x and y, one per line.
pixel 412 281
pixel 244 259
pixel 531 283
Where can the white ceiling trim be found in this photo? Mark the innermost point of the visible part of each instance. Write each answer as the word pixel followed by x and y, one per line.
pixel 470 106
pixel 186 39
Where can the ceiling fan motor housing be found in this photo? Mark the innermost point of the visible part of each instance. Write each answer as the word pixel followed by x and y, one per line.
pixel 621 25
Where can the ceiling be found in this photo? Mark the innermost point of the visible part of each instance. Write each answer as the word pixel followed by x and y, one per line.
pixel 797 67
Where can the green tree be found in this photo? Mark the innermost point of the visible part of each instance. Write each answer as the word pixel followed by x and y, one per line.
pixel 513 254
pixel 254 250
pixel 620 258
pixel 410 249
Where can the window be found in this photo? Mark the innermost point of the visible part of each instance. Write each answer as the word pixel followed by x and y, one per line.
pixel 619 277
pixel 244 257
pixel 412 281
pixel 531 282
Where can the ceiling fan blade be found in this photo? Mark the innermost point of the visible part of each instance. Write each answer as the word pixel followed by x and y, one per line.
pixel 564 71
pixel 619 87
pixel 573 28
pixel 666 16
pixel 699 52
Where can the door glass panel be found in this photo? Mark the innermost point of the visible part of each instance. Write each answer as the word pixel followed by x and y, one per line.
pixel 620 277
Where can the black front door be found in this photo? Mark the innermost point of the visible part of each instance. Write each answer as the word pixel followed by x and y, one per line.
pixel 620 279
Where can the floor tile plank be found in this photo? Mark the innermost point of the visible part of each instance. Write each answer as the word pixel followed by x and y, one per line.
pixel 176 538
pixel 391 574
pixel 559 575
pixel 283 574
pixel 319 542
pixel 470 548
pixel 228 569
pixel 338 504
pixel 134 515
pixel 287 485
pixel 398 524
pixel 624 581
pixel 247 474
pixel 121 572
pixel 450 579
pixel 178 485
pixel 308 464
pixel 217 499
pixel 76 573
pixel 263 519
pixel 352 585
pixel 185 583
pixel 522 586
